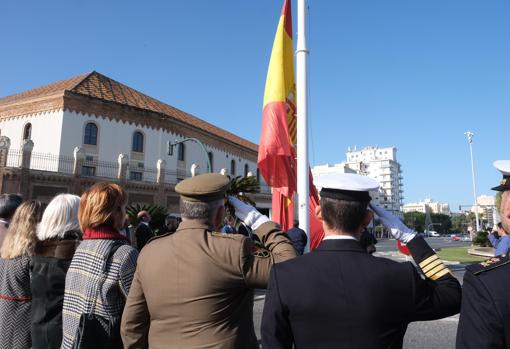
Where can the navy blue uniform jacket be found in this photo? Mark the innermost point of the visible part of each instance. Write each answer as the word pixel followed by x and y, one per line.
pixel 338 296
pixel 485 315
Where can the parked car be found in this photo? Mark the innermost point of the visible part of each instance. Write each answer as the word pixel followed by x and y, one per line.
pixel 455 237
pixel 434 234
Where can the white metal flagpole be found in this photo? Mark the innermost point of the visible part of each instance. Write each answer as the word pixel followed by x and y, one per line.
pixel 302 120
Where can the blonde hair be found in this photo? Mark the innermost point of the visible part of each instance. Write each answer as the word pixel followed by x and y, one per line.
pixel 59 217
pixel 21 235
pixel 100 205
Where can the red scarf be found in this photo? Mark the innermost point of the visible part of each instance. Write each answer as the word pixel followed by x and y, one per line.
pixel 103 232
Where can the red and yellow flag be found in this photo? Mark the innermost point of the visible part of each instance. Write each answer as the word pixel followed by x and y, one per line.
pixel 277 155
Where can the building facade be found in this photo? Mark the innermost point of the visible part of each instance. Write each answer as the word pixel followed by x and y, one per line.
pixel 487 211
pixel 107 126
pixel 427 204
pixel 378 163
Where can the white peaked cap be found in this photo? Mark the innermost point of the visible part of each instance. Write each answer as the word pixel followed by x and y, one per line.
pixel 346 181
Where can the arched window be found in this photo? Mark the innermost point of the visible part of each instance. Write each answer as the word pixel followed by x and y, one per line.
pixel 180 152
pixel 233 167
pixel 211 157
pixel 246 170
pixel 27 131
pixel 137 142
pixel 90 135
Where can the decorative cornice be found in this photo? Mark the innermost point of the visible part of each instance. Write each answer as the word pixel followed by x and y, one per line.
pixel 33 106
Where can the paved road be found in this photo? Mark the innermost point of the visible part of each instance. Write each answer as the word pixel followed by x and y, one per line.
pixel 385 245
pixel 419 335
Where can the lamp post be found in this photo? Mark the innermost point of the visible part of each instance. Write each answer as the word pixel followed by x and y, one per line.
pixel 469 136
pixel 172 145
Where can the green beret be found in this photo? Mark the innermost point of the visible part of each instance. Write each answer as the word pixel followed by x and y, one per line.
pixel 205 187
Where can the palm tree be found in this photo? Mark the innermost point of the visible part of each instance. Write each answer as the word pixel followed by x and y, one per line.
pixel 240 187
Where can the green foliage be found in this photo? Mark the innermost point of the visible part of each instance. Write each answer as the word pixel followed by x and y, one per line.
pixel 415 221
pixel 158 214
pixel 460 223
pixel 239 187
pixel 481 239
pixel 458 254
pixel 445 222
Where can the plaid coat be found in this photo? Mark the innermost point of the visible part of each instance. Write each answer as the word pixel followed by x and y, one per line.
pixel 15 303
pixel 83 278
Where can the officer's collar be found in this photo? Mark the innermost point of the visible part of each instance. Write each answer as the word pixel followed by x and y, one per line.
pixel 340 245
pixel 193 224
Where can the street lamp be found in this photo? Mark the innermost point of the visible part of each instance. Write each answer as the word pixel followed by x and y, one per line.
pixel 469 136
pixel 172 145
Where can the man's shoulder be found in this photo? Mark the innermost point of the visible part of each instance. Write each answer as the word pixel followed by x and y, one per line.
pixel 316 258
pixel 159 238
pixel 141 226
pixel 296 231
pixel 491 266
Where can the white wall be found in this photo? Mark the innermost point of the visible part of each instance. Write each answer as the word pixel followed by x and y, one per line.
pixel 46 131
pixel 115 137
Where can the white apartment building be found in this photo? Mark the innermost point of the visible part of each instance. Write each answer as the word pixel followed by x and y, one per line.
pixel 378 163
pixel 427 204
pixel 487 209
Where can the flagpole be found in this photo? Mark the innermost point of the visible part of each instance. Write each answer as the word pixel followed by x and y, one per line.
pixel 302 120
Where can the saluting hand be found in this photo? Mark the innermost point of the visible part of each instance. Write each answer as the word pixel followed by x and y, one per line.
pixel 398 229
pixel 247 213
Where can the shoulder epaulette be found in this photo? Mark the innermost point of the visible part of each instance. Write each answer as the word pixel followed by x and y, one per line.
pixel 225 235
pixel 489 264
pixel 158 237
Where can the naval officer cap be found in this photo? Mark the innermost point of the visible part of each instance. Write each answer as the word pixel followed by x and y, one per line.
pixel 504 167
pixel 346 186
pixel 204 188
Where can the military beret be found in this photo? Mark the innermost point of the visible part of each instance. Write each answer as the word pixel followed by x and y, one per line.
pixel 205 187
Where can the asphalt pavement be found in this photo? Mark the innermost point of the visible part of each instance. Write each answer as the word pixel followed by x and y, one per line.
pixel 385 245
pixel 419 335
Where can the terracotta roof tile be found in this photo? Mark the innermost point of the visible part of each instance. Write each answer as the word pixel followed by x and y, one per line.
pixel 98 86
pixel 59 86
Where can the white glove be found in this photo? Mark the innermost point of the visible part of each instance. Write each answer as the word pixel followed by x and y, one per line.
pixel 398 229
pixel 247 213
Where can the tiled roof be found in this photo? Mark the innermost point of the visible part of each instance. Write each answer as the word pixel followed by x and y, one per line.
pixel 59 86
pixel 98 86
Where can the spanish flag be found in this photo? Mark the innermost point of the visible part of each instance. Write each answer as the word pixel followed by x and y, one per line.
pixel 277 154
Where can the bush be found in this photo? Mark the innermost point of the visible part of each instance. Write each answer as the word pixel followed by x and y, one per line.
pixel 481 239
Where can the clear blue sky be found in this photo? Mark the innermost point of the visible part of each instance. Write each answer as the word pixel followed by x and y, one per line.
pixel 412 74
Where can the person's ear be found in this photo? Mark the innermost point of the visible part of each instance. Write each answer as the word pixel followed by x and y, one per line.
pixel 369 215
pixel 318 212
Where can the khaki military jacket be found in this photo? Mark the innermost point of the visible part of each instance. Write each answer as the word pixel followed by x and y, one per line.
pixel 194 288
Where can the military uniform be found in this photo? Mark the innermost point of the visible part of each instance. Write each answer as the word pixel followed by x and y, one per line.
pixel 194 288
pixel 485 312
pixel 338 296
pixel 485 305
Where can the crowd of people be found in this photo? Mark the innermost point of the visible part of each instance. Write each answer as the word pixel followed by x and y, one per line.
pixel 73 276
